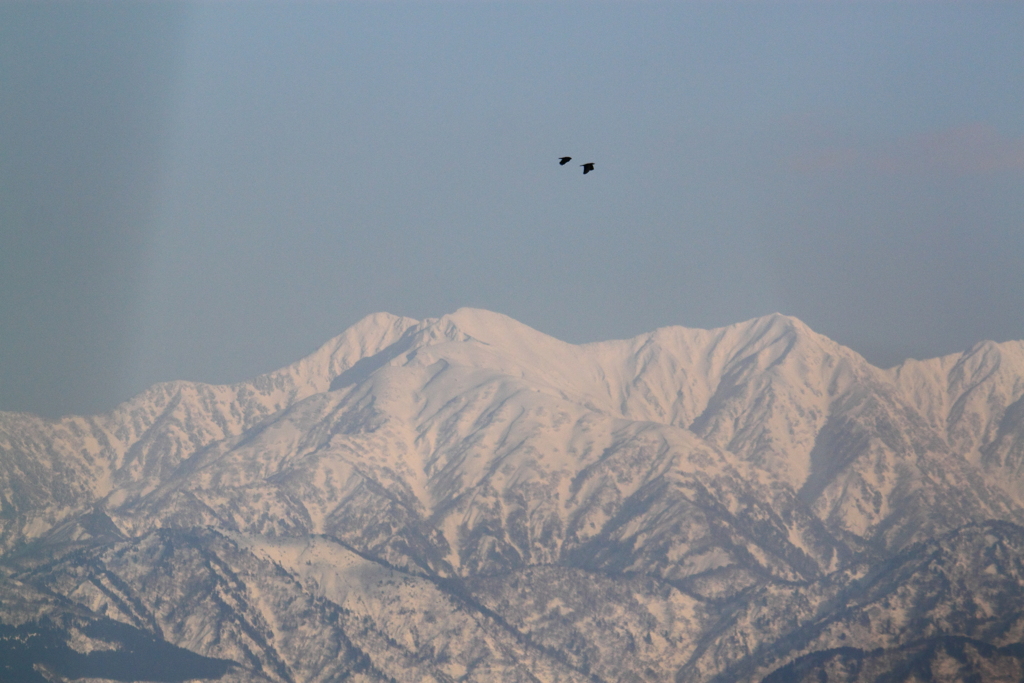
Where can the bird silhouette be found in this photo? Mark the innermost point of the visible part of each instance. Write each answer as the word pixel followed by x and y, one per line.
pixel 564 161
pixel 587 168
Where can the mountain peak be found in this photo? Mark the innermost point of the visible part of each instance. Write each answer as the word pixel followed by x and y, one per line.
pixel 488 327
pixel 368 337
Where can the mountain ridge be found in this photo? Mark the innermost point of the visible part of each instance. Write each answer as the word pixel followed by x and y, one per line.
pixel 473 464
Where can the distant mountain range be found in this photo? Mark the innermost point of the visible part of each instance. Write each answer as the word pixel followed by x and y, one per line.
pixel 467 499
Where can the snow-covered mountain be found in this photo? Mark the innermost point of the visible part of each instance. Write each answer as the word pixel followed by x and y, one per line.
pixel 465 498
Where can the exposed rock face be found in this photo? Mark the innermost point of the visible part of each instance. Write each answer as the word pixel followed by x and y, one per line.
pixel 465 498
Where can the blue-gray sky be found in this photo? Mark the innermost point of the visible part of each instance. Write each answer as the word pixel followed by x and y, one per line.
pixel 210 191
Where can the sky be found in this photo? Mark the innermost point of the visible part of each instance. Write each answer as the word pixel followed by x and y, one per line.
pixel 210 191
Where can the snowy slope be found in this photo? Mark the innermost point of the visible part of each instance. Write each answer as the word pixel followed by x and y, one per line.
pixel 976 400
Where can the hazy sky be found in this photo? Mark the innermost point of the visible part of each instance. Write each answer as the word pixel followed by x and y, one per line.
pixel 211 191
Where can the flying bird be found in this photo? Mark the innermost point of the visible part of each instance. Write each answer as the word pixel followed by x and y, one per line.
pixel 587 168
pixel 564 161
